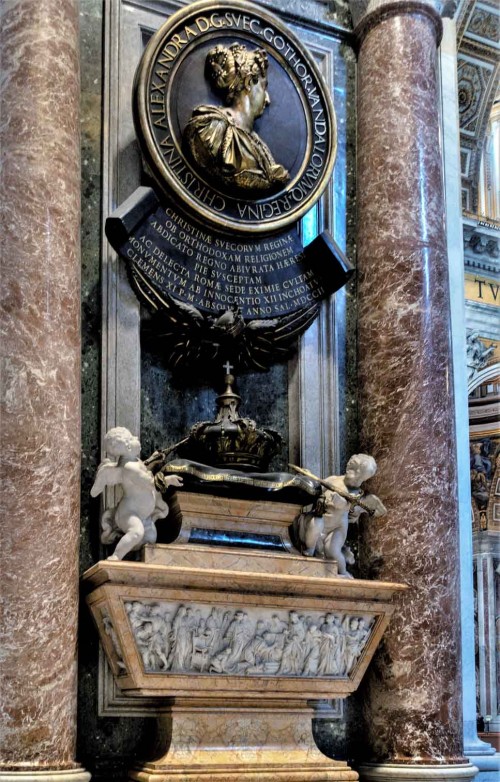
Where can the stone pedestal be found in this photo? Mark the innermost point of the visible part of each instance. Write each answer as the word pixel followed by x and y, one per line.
pixel 238 641
pixel 40 389
pixel 414 719
pixel 241 742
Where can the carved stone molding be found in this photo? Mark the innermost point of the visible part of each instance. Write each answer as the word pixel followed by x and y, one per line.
pixel 481 244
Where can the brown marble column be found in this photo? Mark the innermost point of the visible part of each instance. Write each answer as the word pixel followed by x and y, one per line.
pixel 413 704
pixel 40 389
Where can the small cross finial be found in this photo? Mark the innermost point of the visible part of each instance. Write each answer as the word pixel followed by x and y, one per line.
pixel 228 367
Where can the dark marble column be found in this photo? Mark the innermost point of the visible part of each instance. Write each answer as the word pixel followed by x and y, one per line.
pixel 413 705
pixel 40 389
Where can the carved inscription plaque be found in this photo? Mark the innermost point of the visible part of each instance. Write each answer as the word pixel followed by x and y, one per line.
pixel 264 277
pixel 198 638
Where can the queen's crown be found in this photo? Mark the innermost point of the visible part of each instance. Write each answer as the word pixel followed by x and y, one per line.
pixel 230 441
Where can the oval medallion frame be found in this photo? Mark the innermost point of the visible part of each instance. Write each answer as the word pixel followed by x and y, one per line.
pixel 298 128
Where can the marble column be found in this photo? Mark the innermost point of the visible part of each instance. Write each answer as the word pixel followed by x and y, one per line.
pixel 487 617
pixel 414 719
pixel 40 390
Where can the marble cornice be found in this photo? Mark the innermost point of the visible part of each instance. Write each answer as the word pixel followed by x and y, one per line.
pixel 480 264
pixel 479 223
pixel 482 244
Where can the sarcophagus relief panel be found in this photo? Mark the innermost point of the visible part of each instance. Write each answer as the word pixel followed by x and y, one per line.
pixel 196 638
pixel 235 631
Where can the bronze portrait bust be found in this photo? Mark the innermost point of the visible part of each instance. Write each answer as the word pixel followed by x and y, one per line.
pixel 220 139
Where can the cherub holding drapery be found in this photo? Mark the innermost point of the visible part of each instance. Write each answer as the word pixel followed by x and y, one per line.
pixel 133 519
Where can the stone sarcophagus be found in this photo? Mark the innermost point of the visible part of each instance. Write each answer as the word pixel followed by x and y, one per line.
pixel 239 640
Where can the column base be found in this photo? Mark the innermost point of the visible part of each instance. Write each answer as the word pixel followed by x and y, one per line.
pixel 240 746
pixel 403 772
pixel 67 775
pixel 486 759
pixel 492 737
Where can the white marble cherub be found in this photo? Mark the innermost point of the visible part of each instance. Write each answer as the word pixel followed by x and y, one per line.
pixel 343 501
pixel 133 519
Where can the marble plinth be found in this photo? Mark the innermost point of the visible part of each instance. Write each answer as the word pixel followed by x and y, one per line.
pixel 229 745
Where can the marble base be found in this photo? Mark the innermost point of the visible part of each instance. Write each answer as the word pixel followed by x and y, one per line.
pixel 390 772
pixel 492 738
pixel 486 756
pixel 238 744
pixel 68 775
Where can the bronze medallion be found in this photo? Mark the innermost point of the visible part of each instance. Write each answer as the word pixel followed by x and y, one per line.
pixel 233 118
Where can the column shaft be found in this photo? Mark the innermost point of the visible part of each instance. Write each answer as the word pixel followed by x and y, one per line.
pixel 487 640
pixel 405 387
pixel 40 390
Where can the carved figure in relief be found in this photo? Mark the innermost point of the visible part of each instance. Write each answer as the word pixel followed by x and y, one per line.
pixel 239 634
pixel 221 139
pixel 477 353
pixel 356 634
pixel 322 531
pixel 313 638
pixel 292 660
pixel 151 631
pixel 351 643
pixel 160 637
pixel 111 632
pixel 144 637
pixel 137 612
pixel 183 630
pixel 133 519
pixel 277 625
pixel 263 655
pixel 230 642
pixel 330 648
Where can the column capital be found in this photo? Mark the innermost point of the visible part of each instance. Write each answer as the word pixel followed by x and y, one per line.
pixel 368 13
